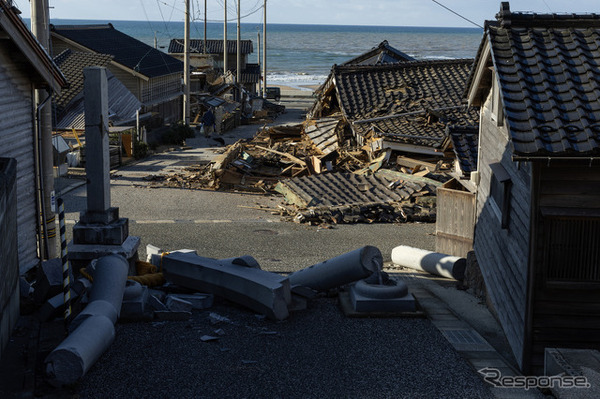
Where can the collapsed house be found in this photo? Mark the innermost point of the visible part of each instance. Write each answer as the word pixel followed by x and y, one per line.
pixel 403 106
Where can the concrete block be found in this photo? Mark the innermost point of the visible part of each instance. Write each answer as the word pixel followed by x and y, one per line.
pixel 134 307
pixel 55 306
pixel 114 233
pixel 167 315
pixel 155 259
pixel 156 304
pixel 49 281
pixel 264 292
pixel 80 255
pixel 152 250
pixel 198 300
pixel 82 285
pixel 101 217
pixel 177 304
pixel 362 303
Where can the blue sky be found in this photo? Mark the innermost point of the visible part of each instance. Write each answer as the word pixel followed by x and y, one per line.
pixel 334 12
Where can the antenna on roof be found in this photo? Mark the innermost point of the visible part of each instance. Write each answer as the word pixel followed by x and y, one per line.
pixel 455 13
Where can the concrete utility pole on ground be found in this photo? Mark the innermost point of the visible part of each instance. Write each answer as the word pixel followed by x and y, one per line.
pixel 41 30
pixel 225 40
pixel 265 49
pixel 186 65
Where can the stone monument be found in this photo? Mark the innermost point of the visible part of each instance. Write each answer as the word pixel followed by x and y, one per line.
pixel 100 231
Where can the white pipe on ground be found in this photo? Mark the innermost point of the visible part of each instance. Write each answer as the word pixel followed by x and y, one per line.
pixel 432 262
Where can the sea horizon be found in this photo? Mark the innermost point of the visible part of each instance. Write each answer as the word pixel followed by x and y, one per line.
pixel 303 54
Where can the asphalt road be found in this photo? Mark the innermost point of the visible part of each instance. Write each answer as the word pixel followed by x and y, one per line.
pixel 316 353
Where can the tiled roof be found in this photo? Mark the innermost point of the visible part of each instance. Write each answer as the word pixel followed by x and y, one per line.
pixel 126 50
pixel 122 107
pixel 427 129
pixel 375 91
pixel 251 74
pixel 380 55
pixel 323 133
pixel 547 67
pixel 71 64
pixel 465 140
pixel 212 46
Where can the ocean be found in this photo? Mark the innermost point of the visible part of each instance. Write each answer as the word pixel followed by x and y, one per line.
pixel 299 55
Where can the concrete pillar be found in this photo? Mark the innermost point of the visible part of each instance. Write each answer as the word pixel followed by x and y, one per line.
pixel 92 331
pixel 264 292
pixel 79 351
pixel 341 270
pixel 97 165
pixel 432 262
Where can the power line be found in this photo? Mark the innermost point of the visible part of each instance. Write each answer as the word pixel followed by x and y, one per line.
pixel 455 13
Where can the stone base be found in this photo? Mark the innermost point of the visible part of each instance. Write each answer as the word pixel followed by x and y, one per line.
pixel 361 303
pixel 103 217
pixel 113 233
pixel 80 255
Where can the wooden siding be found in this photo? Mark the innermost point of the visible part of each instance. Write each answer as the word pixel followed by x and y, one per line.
pixel 566 314
pixel 455 220
pixel 503 253
pixel 16 141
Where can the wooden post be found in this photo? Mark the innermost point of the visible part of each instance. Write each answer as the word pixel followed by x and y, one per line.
pixel 225 40
pixel 186 66
pixel 265 49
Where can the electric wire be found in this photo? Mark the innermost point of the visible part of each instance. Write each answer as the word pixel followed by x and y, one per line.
pixel 455 13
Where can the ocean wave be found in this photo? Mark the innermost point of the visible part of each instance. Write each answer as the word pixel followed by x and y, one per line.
pixel 295 79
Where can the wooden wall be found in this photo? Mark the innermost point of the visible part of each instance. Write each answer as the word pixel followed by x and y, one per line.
pixel 455 220
pixel 503 253
pixel 566 311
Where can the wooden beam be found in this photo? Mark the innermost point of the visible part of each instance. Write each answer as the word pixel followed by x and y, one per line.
pixel 283 154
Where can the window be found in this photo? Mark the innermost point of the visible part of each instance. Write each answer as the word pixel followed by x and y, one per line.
pixel 571 251
pixel 500 187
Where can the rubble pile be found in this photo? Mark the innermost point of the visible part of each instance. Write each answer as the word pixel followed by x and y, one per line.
pixel 280 159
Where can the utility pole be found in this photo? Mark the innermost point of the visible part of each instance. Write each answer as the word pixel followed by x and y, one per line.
pixel 205 21
pixel 265 49
pixel 186 65
pixel 239 47
pixel 41 30
pixel 225 41
pixel 258 60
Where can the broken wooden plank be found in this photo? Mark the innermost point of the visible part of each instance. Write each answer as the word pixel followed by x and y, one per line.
pixel 393 175
pixel 228 156
pixel 283 154
pixel 413 163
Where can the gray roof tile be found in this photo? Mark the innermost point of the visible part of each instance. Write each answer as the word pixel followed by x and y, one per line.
pixel 548 71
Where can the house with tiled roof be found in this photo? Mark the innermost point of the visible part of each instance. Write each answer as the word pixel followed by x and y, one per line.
pixel 69 105
pixel 406 105
pixel 212 57
pixel 151 75
pixel 380 55
pixel 537 81
pixel 24 66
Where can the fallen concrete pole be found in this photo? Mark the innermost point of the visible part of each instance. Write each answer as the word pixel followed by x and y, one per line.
pixel 344 269
pixel 92 331
pixel 110 279
pixel 432 262
pixel 79 351
pixel 264 292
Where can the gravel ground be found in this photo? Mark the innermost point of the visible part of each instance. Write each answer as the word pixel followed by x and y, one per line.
pixel 316 353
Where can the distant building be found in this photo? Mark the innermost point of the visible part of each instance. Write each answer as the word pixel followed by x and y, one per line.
pixel 69 105
pixel 537 232
pixel 24 66
pixel 155 78
pixel 212 57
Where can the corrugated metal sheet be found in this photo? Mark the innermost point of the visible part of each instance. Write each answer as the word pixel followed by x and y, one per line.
pixel 323 133
pixel 212 46
pixel 16 141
